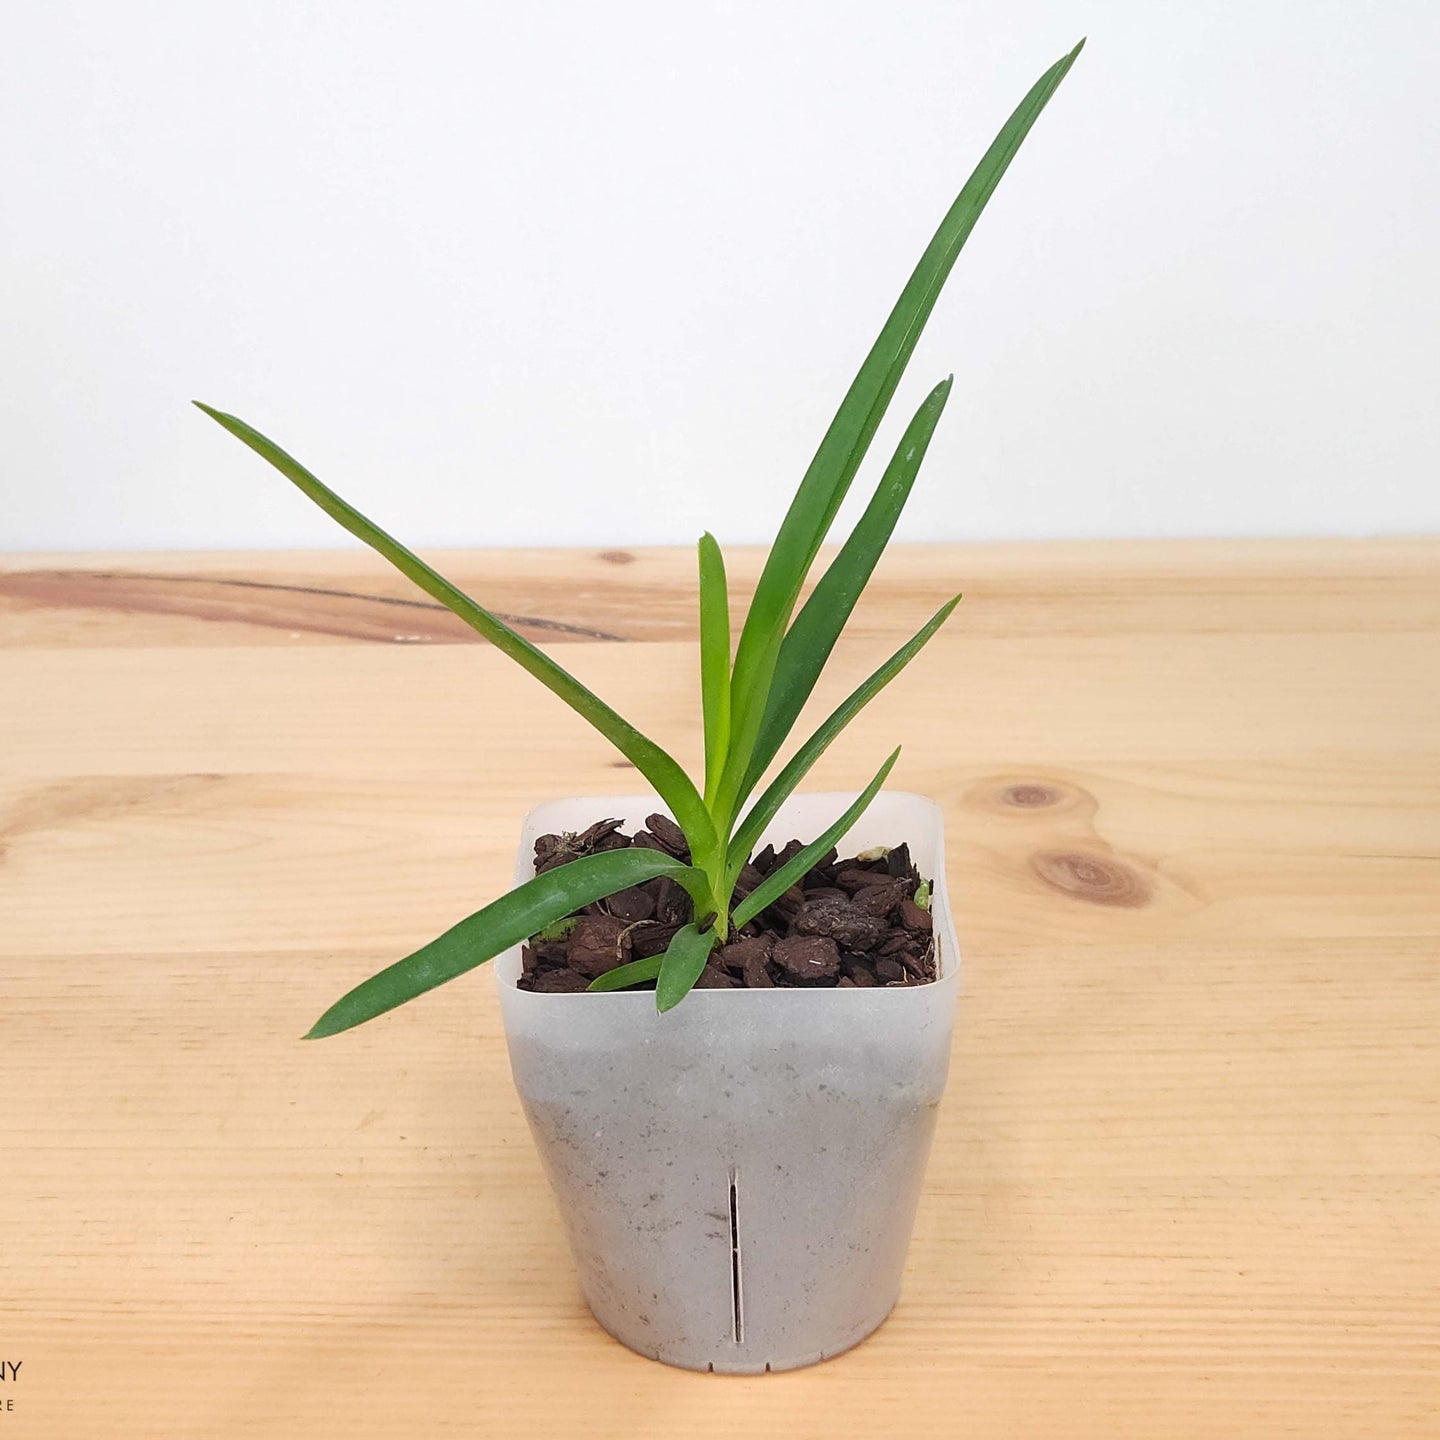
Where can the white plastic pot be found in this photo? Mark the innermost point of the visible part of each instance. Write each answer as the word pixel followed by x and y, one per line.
pixel 739 1176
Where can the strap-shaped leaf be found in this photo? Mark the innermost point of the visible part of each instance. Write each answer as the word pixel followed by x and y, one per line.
pixel 501 924
pixel 684 960
pixel 783 785
pixel 777 882
pixel 826 481
pixel 817 627
pixel 659 768
pixel 714 659
pixel 623 976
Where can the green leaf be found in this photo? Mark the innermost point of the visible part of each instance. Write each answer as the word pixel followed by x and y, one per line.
pixel 501 924
pixel 659 768
pixel 765 808
pixel 817 627
pixel 826 481
pixel 779 881
pixel 684 960
pixel 635 973
pixel 714 659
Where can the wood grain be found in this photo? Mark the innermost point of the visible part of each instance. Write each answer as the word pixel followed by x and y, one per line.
pixel 1187 1180
pixel 319 597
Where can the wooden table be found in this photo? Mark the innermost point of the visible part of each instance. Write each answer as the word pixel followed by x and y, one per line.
pixel 1186 1177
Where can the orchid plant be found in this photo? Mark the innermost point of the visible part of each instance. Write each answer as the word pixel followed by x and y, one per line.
pixel 750 701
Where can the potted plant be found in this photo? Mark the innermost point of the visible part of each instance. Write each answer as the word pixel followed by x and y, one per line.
pixel 738 1173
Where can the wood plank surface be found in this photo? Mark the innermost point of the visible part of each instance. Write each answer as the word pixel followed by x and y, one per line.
pixel 1187 1176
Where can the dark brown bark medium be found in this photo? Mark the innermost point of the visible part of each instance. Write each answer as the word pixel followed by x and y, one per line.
pixel 851 923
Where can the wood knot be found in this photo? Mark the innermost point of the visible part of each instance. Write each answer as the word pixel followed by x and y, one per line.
pixel 1015 796
pixel 1030 796
pixel 1095 878
pixel 617 557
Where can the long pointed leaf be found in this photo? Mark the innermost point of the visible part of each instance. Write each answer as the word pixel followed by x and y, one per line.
pixel 659 768
pixel 623 976
pixel 501 924
pixel 777 882
pixel 684 960
pixel 766 807
pixel 826 481
pixel 817 627
pixel 714 659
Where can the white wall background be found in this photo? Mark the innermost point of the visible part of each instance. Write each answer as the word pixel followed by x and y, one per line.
pixel 531 272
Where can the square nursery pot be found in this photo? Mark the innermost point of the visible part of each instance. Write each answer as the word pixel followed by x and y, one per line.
pixel 739 1176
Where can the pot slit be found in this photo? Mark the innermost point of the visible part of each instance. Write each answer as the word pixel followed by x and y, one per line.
pixel 735 1294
